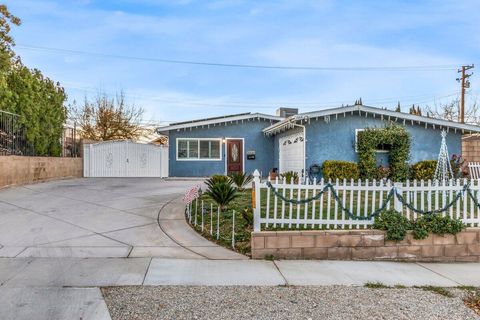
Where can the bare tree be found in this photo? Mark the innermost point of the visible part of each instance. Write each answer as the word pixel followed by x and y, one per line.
pixel 451 111
pixel 107 118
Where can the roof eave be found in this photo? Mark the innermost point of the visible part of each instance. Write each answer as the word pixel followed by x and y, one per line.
pixel 219 121
pixel 286 124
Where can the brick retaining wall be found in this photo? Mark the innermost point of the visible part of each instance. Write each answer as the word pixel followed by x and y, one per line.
pixel 18 170
pixel 471 148
pixel 365 245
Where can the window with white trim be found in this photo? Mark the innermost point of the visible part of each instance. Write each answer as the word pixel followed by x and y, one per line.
pixel 380 148
pixel 199 149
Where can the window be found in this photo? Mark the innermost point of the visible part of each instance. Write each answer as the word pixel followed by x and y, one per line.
pixel 380 148
pixel 198 149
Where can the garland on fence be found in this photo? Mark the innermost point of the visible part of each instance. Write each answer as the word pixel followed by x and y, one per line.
pixel 393 192
pixel 448 206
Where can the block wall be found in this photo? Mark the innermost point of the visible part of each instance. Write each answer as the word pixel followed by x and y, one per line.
pixel 18 170
pixel 365 245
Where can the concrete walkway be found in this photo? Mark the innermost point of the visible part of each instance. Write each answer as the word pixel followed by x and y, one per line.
pixel 77 272
pixel 67 288
pixel 91 218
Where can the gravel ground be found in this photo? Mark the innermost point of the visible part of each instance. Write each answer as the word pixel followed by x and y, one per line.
pixel 334 302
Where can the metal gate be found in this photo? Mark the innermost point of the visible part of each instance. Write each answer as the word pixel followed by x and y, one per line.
pixel 125 159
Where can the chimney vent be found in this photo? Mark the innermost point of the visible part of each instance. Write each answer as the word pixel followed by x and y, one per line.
pixel 286 112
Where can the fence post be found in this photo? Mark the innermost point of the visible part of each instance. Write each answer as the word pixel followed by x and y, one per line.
pixel 397 205
pixel 256 200
pixel 233 229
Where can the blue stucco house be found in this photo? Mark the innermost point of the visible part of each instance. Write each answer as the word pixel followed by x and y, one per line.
pixel 249 141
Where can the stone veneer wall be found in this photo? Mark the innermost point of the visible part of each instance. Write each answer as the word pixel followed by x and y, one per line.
pixel 365 245
pixel 18 170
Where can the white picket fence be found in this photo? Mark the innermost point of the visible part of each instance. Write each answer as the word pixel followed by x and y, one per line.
pixel 474 170
pixel 361 198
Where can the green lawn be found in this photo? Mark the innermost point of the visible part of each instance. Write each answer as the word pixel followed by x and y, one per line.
pixel 243 221
pixel 326 209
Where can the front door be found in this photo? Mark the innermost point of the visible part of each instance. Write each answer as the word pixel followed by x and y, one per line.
pixel 234 155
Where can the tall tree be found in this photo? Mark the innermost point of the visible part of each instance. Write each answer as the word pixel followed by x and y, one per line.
pixel 40 103
pixel 37 99
pixel 6 51
pixel 107 118
pixel 6 40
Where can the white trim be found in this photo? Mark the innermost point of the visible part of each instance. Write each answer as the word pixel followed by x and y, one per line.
pixel 243 153
pixel 198 159
pixel 226 119
pixel 385 115
pixel 356 142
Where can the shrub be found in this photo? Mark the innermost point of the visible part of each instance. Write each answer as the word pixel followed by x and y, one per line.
pixel 241 179
pixel 423 170
pixel 437 224
pixel 426 169
pixel 247 215
pixel 383 173
pixel 395 224
pixel 333 170
pixel 458 163
pixel 290 176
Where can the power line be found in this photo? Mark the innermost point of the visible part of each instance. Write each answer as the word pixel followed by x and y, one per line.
pixel 253 104
pixel 237 65
pixel 190 103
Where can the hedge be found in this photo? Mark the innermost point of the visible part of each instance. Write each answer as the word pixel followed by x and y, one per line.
pixel 397 137
pixel 333 169
pixel 423 170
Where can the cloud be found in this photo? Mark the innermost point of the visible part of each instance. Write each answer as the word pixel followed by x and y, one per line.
pixel 304 32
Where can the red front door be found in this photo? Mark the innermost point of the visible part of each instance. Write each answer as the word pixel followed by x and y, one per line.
pixel 234 156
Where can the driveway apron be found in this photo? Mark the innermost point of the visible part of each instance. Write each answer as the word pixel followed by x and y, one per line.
pixel 101 218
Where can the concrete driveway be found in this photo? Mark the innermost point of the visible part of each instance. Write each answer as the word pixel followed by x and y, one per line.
pixel 101 217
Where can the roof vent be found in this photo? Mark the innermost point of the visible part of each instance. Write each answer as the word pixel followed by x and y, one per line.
pixel 286 112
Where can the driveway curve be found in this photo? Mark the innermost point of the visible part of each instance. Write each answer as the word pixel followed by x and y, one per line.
pixel 102 217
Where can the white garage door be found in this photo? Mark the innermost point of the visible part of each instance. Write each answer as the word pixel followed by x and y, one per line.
pixel 292 153
pixel 125 159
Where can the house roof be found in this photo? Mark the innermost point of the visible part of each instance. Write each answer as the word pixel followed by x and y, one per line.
pixel 290 122
pixel 218 120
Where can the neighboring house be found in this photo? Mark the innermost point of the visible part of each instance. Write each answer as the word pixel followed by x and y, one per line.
pixel 252 141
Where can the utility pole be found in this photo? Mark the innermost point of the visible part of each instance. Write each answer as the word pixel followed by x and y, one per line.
pixel 465 85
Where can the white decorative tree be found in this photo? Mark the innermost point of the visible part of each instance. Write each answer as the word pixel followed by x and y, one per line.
pixel 443 171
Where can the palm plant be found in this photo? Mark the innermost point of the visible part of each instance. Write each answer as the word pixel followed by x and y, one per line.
pixel 241 179
pixel 290 176
pixel 222 193
pixel 221 190
pixel 216 179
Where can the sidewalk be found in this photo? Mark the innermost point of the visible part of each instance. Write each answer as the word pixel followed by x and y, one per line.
pixel 34 287
pixel 74 272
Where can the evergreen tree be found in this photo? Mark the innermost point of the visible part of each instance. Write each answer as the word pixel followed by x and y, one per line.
pixel 419 111
pixel 398 109
pixel 37 99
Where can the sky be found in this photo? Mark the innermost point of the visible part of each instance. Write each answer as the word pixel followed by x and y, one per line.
pixel 122 41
